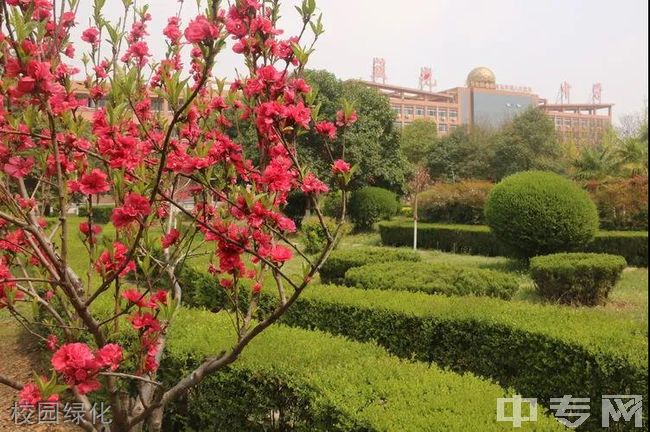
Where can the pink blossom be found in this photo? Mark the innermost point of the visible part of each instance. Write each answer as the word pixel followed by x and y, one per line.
pixel 311 184
pixel 91 35
pixel 341 167
pixel 201 30
pixel 94 183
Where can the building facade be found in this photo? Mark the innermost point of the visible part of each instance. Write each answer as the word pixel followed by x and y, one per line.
pixel 484 102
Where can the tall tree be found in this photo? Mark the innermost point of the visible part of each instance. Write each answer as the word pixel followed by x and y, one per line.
pixel 464 153
pixel 372 143
pixel 528 142
pixel 418 139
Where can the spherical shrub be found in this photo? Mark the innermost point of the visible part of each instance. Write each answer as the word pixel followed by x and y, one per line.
pixel 577 278
pixel 538 213
pixel 332 205
pixel 372 204
pixel 340 261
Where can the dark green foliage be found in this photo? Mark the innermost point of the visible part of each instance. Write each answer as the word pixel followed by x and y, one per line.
pixel 371 205
pixel 340 261
pixel 529 142
pixel 478 240
pixel 433 279
pixel 296 207
pixel 464 239
pixel 463 153
pixel 101 214
pixel 632 245
pixel 538 213
pixel 318 382
pixel 577 278
pixel 372 143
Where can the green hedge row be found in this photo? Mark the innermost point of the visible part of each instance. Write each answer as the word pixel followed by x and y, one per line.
pixel 433 279
pixel 340 261
pixel 478 240
pixel 541 351
pixel 291 379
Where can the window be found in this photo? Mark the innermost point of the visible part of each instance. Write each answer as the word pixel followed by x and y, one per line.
pixel 454 127
pixel 442 127
pixel 419 111
pixel 397 109
pixel 453 114
pixel 432 112
pixel 408 110
pixel 442 113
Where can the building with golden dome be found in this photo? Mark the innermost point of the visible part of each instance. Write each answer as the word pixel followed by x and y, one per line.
pixel 485 102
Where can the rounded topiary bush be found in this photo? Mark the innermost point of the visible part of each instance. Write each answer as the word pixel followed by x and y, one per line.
pixel 577 278
pixel 433 279
pixel 340 261
pixel 538 213
pixel 372 204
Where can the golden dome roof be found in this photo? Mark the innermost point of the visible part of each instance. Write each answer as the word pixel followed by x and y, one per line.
pixel 481 77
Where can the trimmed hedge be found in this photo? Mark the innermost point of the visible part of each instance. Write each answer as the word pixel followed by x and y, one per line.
pixel 433 279
pixel 370 205
pixel 539 213
pixel 320 382
pixel 101 214
pixel 631 245
pixel 340 261
pixel 541 351
pixel 478 240
pixel 577 278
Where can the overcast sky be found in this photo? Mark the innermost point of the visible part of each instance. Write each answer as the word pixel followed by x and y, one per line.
pixel 530 43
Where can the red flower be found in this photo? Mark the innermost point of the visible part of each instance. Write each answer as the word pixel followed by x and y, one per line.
pixel 341 167
pixel 327 129
pixel 91 36
pixel 200 30
pixel 77 364
pixel 85 228
pixel 280 254
pixel 135 297
pixel 108 263
pixel 145 321
pixel 158 298
pixel 18 167
pixel 311 184
pixel 172 31
pixel 135 206
pixel 30 395
pixel 94 183
pixel 170 238
pixel 109 356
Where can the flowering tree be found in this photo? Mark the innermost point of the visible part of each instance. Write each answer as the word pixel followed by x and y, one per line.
pixel 55 151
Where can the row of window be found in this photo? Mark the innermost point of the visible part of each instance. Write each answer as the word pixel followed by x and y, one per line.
pixel 575 122
pixel 426 111
pixel 442 127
